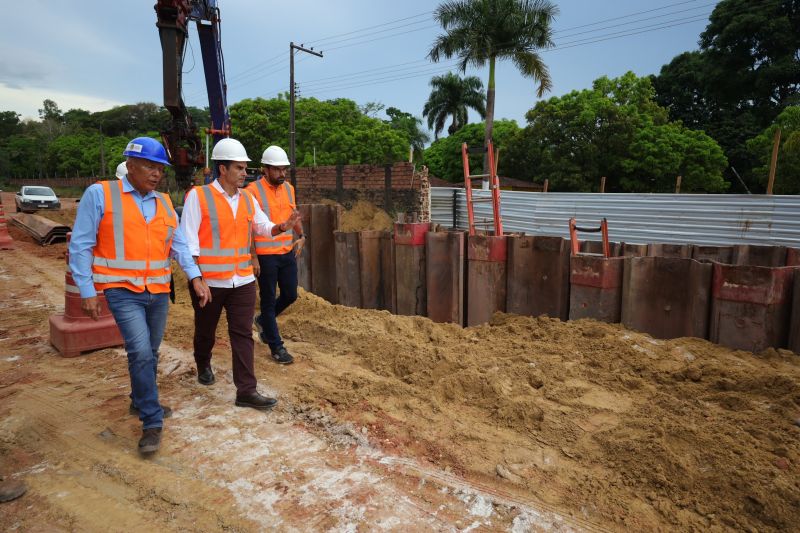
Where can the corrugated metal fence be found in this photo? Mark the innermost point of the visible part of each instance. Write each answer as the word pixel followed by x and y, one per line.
pixel 709 219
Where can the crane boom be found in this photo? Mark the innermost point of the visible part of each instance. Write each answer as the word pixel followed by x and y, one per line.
pixel 181 136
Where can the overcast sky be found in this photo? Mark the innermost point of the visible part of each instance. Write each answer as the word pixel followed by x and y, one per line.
pixel 95 54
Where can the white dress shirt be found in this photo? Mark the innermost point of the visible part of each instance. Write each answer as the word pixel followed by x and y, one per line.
pixel 190 226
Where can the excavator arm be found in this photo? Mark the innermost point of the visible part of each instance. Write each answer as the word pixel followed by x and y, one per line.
pixel 181 136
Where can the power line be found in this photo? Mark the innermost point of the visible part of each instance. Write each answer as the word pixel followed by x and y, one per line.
pixel 315 42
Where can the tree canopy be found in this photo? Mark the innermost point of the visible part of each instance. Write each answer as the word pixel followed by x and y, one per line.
pixel 443 156
pixel 787 175
pixel 480 32
pixel 746 72
pixel 614 130
pixel 452 97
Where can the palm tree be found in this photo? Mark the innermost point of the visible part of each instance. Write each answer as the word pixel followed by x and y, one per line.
pixel 482 31
pixel 451 97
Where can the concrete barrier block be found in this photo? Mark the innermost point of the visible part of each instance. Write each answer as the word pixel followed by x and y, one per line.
pixel 538 276
pixel 751 306
pixel 486 277
pixel 666 297
pixel 595 288
pixel 445 275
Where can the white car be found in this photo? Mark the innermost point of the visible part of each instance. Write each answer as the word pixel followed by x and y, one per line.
pixel 31 198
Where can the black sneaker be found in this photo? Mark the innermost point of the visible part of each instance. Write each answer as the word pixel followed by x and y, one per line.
pixel 150 441
pixel 133 410
pixel 281 356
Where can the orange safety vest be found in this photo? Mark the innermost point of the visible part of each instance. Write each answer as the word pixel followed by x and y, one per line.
pixel 224 240
pixel 130 252
pixel 278 207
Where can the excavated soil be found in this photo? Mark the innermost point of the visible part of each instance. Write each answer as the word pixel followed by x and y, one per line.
pixel 599 427
pixel 365 216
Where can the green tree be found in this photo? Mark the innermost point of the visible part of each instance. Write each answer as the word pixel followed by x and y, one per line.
pixel 746 71
pixel 614 130
pixel 336 130
pixel 483 31
pixel 409 125
pixel 443 156
pixel 9 123
pixel 787 175
pixel 452 96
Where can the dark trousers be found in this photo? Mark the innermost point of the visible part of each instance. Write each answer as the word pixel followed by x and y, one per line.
pixel 239 304
pixel 276 270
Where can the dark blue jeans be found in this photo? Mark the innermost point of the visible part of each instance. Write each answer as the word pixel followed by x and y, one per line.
pixel 141 318
pixel 276 270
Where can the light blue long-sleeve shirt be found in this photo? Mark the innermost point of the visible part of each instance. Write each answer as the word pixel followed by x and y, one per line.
pixel 84 235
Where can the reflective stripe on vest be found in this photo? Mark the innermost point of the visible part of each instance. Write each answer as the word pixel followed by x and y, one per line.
pixel 240 257
pixel 150 267
pixel 282 242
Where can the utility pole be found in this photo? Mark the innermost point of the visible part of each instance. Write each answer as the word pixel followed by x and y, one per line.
pixel 776 143
pixel 292 48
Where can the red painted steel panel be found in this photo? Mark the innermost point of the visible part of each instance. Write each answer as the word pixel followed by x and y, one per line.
pixel 634 250
pixel 411 234
pixel 794 324
pixel 323 252
pixel 348 273
pixel 445 276
pixel 719 254
pixel 304 261
pixel 538 276
pixel 751 306
pixel 595 288
pixel 486 277
pixel 369 252
pixel 666 297
pixel 755 255
pixel 388 276
pixel 669 250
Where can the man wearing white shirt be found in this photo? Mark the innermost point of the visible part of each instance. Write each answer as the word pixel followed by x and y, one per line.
pixel 218 221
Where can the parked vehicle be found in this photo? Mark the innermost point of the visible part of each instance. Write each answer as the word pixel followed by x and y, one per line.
pixel 31 198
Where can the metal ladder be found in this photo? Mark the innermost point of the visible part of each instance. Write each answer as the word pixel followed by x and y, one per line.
pixel 576 245
pixel 494 186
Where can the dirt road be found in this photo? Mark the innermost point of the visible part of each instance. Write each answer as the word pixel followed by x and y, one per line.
pixel 397 423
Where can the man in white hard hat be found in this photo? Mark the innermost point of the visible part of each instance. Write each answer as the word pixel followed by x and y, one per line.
pixel 218 221
pixel 277 256
pixel 122 170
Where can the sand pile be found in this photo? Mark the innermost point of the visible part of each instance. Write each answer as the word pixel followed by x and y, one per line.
pixel 365 216
pixel 610 423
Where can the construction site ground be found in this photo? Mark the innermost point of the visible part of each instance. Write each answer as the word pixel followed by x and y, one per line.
pixel 395 423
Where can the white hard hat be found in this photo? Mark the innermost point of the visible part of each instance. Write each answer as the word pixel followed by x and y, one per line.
pixel 122 170
pixel 275 156
pixel 229 150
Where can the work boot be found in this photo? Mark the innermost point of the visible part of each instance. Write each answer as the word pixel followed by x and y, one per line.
pixel 133 410
pixel 281 356
pixel 206 377
pixel 256 401
pixel 150 441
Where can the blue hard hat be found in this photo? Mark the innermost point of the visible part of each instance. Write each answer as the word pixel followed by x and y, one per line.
pixel 146 148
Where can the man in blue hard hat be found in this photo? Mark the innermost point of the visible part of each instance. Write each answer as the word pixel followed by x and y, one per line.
pixel 124 236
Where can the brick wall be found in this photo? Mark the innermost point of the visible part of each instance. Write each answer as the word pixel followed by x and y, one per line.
pixel 397 188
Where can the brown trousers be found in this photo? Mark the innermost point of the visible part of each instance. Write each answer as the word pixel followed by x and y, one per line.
pixel 239 304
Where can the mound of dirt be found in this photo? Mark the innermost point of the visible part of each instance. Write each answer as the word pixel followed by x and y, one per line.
pixel 615 425
pixel 365 216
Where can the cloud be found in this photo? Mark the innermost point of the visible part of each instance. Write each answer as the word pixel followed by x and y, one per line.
pixel 20 67
pixel 27 100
